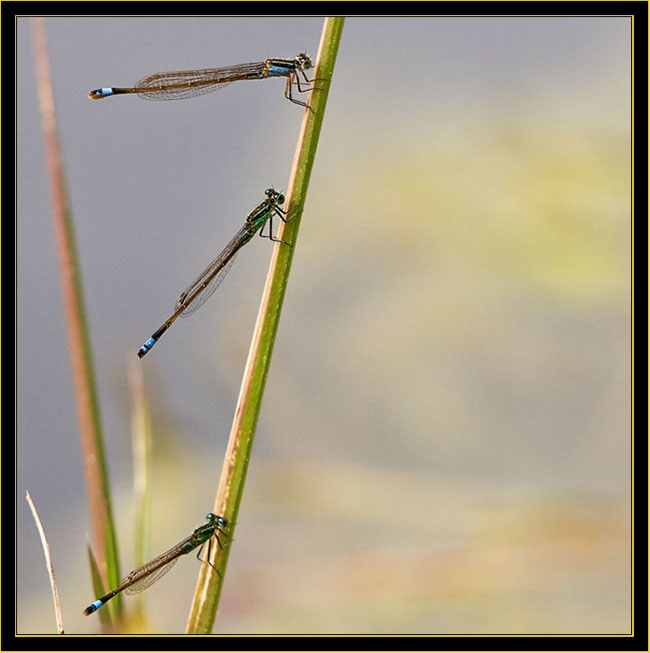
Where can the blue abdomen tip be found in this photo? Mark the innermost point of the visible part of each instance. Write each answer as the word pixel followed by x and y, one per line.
pixel 146 347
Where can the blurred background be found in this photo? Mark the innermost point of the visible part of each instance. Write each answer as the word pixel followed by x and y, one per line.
pixel 444 445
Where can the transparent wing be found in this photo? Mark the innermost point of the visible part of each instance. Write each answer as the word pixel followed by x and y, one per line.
pixel 199 291
pixel 176 86
pixel 181 84
pixel 205 294
pixel 148 579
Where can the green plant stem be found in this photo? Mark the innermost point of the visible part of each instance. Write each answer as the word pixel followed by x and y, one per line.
pixel 231 485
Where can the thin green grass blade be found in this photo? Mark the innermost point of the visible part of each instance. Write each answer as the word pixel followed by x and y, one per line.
pixel 231 486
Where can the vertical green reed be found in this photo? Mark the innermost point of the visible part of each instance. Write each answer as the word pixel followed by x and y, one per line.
pixel 231 486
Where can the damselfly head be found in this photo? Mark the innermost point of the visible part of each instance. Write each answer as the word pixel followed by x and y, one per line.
pixel 303 61
pixel 222 521
pixel 278 198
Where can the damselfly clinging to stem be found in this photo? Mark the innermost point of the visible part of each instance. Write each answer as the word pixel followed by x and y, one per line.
pixel 142 577
pixel 190 83
pixel 198 292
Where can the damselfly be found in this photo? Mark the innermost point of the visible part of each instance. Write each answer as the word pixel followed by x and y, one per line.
pixel 190 83
pixel 198 292
pixel 145 576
